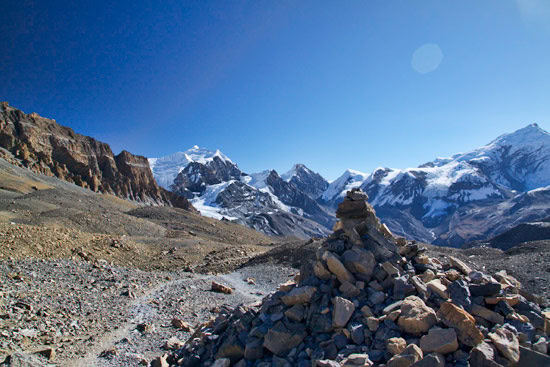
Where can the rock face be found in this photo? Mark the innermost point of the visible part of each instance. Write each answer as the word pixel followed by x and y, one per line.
pixel 46 147
pixel 331 316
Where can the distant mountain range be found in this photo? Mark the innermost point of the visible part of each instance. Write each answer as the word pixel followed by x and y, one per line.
pixel 449 201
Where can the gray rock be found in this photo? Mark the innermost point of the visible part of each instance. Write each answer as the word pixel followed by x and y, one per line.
pixel 460 294
pixel 343 309
pixel 295 313
pixel 282 337
pixel 485 290
pixel 299 295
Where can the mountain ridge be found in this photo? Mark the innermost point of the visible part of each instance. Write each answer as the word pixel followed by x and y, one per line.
pixel 46 147
pixel 422 202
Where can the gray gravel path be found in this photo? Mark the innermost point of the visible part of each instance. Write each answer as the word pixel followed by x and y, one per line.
pixel 92 315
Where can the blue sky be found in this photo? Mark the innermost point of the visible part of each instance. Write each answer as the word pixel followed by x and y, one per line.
pixel 332 84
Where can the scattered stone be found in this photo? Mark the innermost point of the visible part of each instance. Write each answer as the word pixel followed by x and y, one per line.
pixel 180 324
pixel 173 343
pixel 160 362
pixel 145 328
pixel 49 353
pixel 218 287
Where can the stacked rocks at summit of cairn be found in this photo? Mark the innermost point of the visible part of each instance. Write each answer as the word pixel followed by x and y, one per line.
pixel 370 298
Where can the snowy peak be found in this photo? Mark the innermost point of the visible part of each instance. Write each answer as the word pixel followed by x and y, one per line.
pixel 305 180
pixel 296 170
pixel 337 189
pixel 165 169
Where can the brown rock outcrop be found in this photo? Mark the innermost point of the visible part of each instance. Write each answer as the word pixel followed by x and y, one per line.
pixel 46 147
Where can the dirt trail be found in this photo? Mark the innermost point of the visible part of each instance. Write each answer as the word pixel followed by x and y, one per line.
pixel 190 294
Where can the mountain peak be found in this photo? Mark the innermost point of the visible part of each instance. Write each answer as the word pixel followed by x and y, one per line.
pixel 295 170
pixel 165 169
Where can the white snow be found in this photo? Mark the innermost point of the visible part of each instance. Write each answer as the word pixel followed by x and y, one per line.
pixel 165 169
pixel 350 179
pixel 287 176
pixel 206 203
pixel 257 180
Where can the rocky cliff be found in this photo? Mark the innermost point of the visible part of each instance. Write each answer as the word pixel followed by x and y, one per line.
pixel 46 147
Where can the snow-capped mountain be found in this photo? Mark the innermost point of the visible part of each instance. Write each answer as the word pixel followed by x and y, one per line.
pixel 336 190
pixel 420 202
pixel 264 201
pixel 166 169
pixel 309 182
pixel 449 201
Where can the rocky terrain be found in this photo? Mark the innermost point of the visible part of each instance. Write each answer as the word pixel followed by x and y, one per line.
pixel 369 298
pixel 80 269
pixel 46 147
pixel 88 279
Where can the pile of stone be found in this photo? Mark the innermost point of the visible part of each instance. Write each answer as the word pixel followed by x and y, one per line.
pixel 370 298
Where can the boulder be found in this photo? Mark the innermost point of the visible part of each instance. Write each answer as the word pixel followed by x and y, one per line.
pixel 295 313
pixel 321 271
pixel 485 290
pixel 343 309
pixel 410 355
pixel 299 295
pixel 282 337
pixel 218 287
pixel 464 323
pixel 530 358
pixel 356 360
pixel 438 288
pixel 337 268
pixel 222 362
pixel 396 345
pixel 487 314
pixel 173 343
pixel 439 340
pixel 231 348
pixel 460 265
pixel 415 316
pixel 506 343
pixel 483 355
pixel 431 360
pixel 360 261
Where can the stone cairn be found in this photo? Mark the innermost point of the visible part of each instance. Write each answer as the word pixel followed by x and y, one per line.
pixel 370 298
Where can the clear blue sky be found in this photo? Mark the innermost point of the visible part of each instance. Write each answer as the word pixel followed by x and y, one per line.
pixel 332 84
